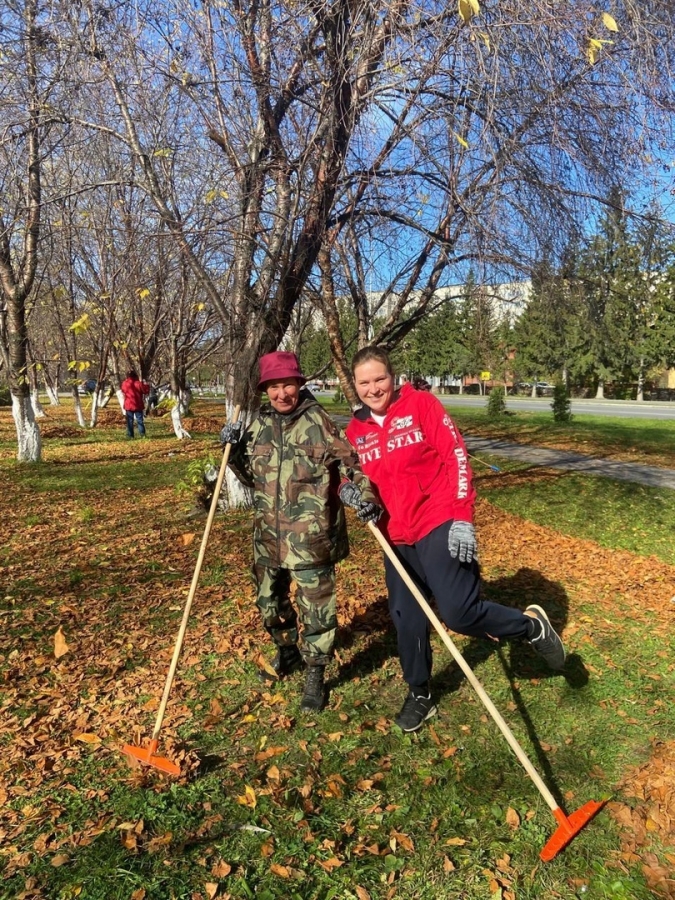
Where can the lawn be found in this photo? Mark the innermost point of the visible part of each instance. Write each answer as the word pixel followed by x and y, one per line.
pixel 96 563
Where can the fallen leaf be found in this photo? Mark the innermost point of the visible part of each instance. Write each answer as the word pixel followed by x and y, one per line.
pixel 87 738
pixel 60 859
pixel 211 889
pixel 60 645
pixel 221 869
pixel 512 818
pixel 281 871
pixel 187 539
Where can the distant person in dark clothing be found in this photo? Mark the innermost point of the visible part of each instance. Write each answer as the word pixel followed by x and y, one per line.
pixel 134 392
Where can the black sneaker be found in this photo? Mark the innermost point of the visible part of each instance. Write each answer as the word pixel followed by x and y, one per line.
pixel 288 659
pixel 415 711
pixel 314 696
pixel 547 644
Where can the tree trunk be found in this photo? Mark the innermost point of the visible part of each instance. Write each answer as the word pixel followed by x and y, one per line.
pixel 27 431
pixel 53 395
pixel 641 383
pixel 177 422
pixel 600 393
pixel 78 408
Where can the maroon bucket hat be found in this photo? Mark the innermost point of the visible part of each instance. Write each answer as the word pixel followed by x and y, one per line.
pixel 279 365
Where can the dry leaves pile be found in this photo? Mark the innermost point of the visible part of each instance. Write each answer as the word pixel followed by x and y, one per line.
pixel 653 787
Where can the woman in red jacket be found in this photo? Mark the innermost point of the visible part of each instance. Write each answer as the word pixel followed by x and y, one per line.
pixel 412 452
pixel 134 392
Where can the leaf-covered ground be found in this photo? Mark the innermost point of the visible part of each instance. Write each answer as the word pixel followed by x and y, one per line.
pixel 96 565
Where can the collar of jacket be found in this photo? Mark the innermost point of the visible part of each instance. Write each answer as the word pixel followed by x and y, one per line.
pixel 364 412
pixel 305 402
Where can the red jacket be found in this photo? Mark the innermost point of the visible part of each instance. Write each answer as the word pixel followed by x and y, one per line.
pixel 134 394
pixel 418 462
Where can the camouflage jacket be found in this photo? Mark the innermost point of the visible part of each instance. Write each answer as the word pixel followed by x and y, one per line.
pixel 295 464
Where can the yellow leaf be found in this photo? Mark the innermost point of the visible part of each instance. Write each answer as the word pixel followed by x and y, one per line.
pixel 81 324
pixel 362 893
pixel 211 889
pixel 187 539
pixel 87 738
pixel 448 864
pixel 144 293
pixel 248 798
pixel 139 894
pixel 455 842
pixel 465 11
pixel 609 22
pixel 460 140
pixel 60 646
pixel 273 773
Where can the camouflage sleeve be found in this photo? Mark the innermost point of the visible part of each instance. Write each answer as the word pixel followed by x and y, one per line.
pixel 240 455
pixel 338 449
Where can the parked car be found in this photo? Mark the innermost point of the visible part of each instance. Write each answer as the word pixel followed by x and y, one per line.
pixel 86 387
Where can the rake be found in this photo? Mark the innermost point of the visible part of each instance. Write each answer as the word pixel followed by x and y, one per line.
pixel 147 755
pixel 568 826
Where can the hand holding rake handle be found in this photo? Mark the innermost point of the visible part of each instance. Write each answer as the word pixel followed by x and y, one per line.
pixel 568 826
pixel 147 754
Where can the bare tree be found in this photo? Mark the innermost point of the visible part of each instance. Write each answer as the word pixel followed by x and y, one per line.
pixel 20 215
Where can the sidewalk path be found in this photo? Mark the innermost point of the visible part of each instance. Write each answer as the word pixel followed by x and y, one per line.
pixel 576 462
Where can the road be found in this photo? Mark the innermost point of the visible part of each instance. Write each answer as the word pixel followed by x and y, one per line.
pixel 624 409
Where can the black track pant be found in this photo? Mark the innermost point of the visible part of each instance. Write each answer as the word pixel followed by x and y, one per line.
pixel 456 588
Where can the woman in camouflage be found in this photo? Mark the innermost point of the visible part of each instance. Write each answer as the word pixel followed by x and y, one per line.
pixel 298 463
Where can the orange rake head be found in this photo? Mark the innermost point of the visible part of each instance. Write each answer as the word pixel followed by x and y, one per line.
pixel 146 755
pixel 569 827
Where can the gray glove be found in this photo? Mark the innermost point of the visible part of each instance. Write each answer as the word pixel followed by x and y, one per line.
pixel 350 495
pixel 230 433
pixel 462 541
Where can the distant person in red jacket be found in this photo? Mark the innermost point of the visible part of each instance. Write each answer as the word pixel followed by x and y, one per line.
pixel 411 451
pixel 134 392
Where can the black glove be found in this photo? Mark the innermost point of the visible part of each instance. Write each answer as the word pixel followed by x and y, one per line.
pixel 351 495
pixel 230 433
pixel 369 512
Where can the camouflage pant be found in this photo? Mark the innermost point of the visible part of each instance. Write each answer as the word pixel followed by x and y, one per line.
pixel 316 603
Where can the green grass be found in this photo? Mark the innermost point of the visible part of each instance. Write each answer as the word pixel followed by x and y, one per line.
pixel 614 514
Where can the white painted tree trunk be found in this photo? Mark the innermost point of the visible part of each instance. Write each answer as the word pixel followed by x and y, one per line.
pixel 93 418
pixel 38 411
pixel 27 430
pixel 79 415
pixel 600 393
pixel 641 383
pixel 53 395
pixel 120 399
pixel 534 389
pixel 103 398
pixel 177 422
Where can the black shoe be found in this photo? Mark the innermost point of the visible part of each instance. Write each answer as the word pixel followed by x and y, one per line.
pixel 416 709
pixel 288 659
pixel 547 644
pixel 314 696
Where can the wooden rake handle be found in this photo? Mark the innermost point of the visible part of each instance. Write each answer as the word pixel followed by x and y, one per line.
pixel 193 586
pixel 464 666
